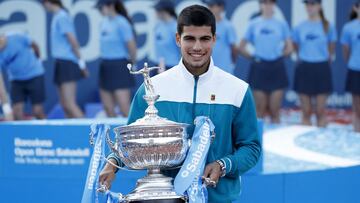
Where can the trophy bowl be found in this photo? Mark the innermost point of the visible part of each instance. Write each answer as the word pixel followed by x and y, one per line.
pixel 159 146
pixel 145 145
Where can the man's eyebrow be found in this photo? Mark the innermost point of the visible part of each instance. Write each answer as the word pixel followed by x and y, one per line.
pixel 189 36
pixel 201 37
pixel 206 37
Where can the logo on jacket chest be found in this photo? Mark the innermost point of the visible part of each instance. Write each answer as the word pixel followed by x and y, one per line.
pixel 213 97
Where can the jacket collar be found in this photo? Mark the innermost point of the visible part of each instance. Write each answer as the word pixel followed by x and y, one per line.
pixel 190 77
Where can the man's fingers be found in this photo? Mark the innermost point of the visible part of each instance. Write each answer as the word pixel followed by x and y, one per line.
pixel 207 172
pixel 106 182
pixel 215 175
pixel 211 175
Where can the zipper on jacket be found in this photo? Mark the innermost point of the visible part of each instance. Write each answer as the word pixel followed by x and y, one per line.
pixel 196 78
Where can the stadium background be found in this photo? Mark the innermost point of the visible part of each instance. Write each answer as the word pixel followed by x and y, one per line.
pixel 30 172
pixel 30 16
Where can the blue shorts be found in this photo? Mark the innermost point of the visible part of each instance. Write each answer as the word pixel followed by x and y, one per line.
pixel 313 78
pixel 353 82
pixel 66 71
pixel 268 76
pixel 114 75
pixel 32 89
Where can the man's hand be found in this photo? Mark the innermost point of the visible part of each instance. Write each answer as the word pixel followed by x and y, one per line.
pixel 107 175
pixel 212 172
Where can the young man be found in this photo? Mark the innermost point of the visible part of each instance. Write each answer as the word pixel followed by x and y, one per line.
pixel 198 88
pixel 19 55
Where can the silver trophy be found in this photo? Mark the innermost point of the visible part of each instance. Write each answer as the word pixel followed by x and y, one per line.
pixel 152 143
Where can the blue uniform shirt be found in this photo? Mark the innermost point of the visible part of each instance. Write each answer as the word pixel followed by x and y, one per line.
pixel 268 37
pixel 225 38
pixel 313 42
pixel 62 24
pixel 351 37
pixel 19 59
pixel 115 33
pixel 165 43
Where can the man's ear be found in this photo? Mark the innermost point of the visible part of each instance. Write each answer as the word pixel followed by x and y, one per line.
pixel 214 39
pixel 178 37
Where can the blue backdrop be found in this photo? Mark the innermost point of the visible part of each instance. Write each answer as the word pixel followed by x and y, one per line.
pixel 30 16
pixel 47 161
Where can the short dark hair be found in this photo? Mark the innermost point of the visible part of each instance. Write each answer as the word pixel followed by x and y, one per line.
pixel 196 15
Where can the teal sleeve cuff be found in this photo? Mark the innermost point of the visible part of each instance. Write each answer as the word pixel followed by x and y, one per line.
pixel 228 164
pixel 117 159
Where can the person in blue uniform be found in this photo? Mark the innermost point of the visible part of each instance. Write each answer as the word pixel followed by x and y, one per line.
pixel 69 66
pixel 197 87
pixel 117 49
pixel 166 51
pixel 314 41
pixel 225 51
pixel 350 40
pixel 19 56
pixel 268 78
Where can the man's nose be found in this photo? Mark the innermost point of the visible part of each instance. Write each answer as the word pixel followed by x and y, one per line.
pixel 197 45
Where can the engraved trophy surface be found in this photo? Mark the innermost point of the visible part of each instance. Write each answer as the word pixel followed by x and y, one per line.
pixel 151 143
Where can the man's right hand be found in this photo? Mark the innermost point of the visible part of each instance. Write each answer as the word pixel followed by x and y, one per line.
pixel 107 175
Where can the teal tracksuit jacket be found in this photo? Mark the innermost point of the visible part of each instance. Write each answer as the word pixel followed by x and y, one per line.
pixel 227 101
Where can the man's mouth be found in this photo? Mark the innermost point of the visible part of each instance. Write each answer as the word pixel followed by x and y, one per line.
pixel 196 55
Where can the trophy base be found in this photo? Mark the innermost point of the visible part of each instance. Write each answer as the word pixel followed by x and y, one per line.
pixel 155 188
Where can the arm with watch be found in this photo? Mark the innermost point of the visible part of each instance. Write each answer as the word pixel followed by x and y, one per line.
pixel 246 145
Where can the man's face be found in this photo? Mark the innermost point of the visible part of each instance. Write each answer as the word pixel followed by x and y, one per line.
pixel 196 43
pixel 2 42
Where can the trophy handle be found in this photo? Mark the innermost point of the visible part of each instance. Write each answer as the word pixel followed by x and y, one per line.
pixel 118 167
pixel 114 150
pixel 110 142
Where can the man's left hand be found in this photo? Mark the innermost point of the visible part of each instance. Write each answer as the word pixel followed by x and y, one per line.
pixel 212 172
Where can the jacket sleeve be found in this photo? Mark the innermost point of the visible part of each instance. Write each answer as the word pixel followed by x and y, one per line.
pixel 246 139
pixel 137 109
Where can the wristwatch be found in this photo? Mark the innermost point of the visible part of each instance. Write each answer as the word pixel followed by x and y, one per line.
pixel 223 167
